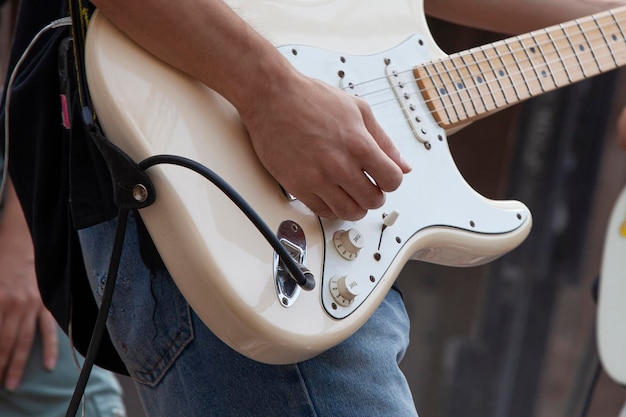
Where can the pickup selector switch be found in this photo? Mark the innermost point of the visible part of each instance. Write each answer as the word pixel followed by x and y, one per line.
pixel 344 289
pixel 348 243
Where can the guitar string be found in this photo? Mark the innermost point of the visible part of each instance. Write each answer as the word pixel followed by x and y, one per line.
pixel 509 75
pixel 487 81
pixel 467 94
pixel 512 52
pixel 456 103
pixel 466 99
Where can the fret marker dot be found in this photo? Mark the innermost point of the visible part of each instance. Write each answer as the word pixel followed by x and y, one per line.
pixel 614 37
pixel 501 73
pixel 544 74
pixel 532 49
pixel 479 79
pixel 460 86
pixel 442 91
pixel 581 47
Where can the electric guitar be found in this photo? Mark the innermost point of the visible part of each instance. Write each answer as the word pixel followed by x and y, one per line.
pixel 611 332
pixel 225 269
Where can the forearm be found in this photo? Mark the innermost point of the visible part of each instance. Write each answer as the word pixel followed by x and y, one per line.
pixel 21 307
pixel 211 43
pixel 515 16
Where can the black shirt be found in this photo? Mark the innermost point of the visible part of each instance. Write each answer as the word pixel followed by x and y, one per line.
pixel 60 177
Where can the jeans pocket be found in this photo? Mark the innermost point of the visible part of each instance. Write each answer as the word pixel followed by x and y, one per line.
pixel 149 321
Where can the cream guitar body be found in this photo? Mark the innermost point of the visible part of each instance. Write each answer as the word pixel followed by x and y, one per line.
pixel 222 265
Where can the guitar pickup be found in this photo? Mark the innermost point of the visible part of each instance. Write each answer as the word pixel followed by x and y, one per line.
pixel 410 99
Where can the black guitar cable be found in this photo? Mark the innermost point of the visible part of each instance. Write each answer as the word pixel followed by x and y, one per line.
pixel 103 313
pixel 300 274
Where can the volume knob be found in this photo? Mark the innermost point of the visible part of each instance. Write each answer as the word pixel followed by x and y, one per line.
pixel 344 289
pixel 348 243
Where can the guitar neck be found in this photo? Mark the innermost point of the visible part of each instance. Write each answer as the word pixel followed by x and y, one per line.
pixel 473 83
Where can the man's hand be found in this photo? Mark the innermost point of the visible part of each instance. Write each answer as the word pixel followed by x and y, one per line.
pixel 321 145
pixel 22 312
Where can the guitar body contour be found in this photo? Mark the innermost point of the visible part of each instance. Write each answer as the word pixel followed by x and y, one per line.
pixel 222 265
pixel 611 332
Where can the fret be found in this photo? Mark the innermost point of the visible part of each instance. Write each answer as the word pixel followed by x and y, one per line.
pixel 527 67
pixel 473 73
pixel 527 57
pixel 485 82
pixel 566 70
pixel 617 37
pixel 577 54
pixel 596 47
pixel 607 42
pixel 446 88
pixel 499 75
pixel 539 61
pixel 458 87
pixel 433 94
pixel 464 84
pixel 520 81
pixel 550 56
pixel 589 70
pixel 506 69
pixel 617 23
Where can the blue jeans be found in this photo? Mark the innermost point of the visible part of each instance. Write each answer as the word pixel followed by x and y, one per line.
pixel 181 369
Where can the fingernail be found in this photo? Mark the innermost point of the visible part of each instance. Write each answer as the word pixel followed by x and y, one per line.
pixel 11 384
pixel 50 364
pixel 405 162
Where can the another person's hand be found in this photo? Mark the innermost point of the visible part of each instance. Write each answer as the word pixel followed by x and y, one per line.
pixel 22 312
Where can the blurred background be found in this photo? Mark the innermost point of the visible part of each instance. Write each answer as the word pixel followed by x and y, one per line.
pixel 515 338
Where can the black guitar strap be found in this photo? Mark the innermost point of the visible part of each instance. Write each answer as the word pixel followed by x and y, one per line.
pixel 126 177
pixel 125 174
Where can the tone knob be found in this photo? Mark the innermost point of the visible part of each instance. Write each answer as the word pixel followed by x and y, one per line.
pixel 344 289
pixel 348 243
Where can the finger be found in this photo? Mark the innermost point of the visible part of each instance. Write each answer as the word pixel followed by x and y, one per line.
pixel 384 141
pixel 24 342
pixel 8 339
pixel 342 204
pixel 317 206
pixel 385 164
pixel 364 192
pixel 50 339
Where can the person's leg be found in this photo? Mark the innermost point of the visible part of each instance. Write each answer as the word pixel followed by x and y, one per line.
pixel 358 378
pixel 45 393
pixel 181 368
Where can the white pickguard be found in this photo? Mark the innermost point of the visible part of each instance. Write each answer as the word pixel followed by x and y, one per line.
pixel 222 265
